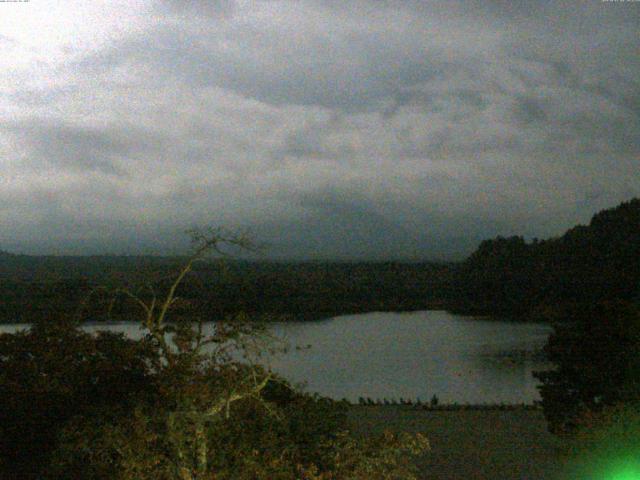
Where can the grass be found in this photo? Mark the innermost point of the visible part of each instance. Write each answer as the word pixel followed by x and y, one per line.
pixel 469 443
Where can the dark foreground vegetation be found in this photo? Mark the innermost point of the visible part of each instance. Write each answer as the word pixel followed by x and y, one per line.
pixel 175 405
pixel 76 406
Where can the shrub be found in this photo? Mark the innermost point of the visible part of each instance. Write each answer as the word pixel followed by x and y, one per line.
pixel 178 404
pixel 596 352
pixel 51 373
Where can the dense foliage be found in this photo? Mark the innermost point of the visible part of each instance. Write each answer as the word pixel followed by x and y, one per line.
pixel 75 405
pixel 595 349
pixel 262 289
pixel 54 372
pixel 508 276
pixel 179 404
pixel 587 284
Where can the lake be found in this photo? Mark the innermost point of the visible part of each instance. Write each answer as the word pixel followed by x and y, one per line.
pixel 410 355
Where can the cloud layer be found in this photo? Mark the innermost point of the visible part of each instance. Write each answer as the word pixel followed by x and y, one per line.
pixel 363 129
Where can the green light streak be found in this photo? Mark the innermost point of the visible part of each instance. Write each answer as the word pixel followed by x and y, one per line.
pixel 610 451
pixel 630 470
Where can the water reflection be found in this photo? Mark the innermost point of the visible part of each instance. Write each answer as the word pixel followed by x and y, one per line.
pixel 409 355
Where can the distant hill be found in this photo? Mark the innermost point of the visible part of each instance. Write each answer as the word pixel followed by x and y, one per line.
pixel 508 276
pixel 38 286
pixel 504 276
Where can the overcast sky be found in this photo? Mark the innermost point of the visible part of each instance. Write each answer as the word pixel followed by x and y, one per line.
pixel 332 129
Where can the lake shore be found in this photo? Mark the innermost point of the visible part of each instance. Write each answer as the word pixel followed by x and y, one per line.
pixel 401 356
pixel 491 444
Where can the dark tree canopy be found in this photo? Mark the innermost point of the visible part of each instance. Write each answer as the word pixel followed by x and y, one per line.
pixel 508 276
pixel 595 349
pixel 54 372
pixel 178 404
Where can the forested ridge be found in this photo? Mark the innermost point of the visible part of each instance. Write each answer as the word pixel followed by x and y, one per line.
pixel 507 277
pixel 512 277
pixel 33 285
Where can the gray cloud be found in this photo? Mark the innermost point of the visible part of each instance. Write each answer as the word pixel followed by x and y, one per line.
pixel 334 129
pixel 203 8
pixel 59 147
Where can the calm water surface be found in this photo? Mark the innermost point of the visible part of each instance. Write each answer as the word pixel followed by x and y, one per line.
pixel 409 355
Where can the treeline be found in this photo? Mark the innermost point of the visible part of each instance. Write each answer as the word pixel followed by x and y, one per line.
pixel 319 290
pixel 506 277
pixel 32 286
pixel 512 277
pixel 586 283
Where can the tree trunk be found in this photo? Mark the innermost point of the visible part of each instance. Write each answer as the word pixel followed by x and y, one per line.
pixel 201 450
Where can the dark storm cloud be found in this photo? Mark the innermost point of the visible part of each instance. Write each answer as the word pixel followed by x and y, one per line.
pixel 324 139
pixel 345 225
pixel 302 74
pixel 61 147
pixel 348 226
pixel 303 53
pixel 346 129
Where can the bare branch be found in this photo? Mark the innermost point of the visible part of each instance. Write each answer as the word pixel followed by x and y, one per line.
pixel 170 296
pixel 134 297
pixel 225 403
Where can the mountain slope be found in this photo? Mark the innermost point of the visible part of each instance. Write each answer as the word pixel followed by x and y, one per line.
pixel 507 276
